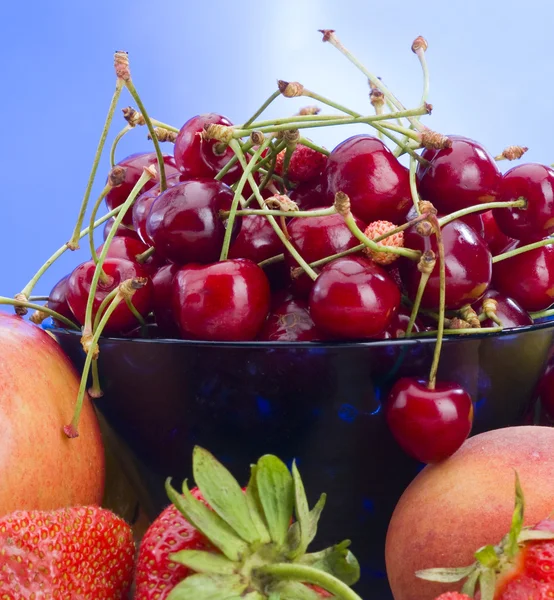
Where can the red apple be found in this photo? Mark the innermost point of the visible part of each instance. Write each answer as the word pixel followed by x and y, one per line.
pixel 40 468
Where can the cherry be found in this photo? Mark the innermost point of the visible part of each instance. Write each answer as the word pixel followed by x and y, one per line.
pixel 312 194
pixel 316 238
pixel 256 240
pixel 496 240
pixel 397 327
pixel 57 301
pixel 118 270
pixel 197 157
pixel 142 206
pixel 467 261
pixel 129 248
pixel 162 293
pixel 368 172
pixel 122 231
pixel 429 424
pixel 458 177
pixel 510 313
pixel 134 165
pixel 535 183
pixel 353 298
pixel 528 278
pixel 225 301
pixel 290 321
pixel 184 221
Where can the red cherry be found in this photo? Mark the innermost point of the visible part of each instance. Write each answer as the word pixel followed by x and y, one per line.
pixel 162 294
pixel 57 301
pixel 507 310
pixel 134 166
pixel 305 164
pixel 397 327
pixel 312 194
pixel 458 177
pixel 429 425
pixel 225 301
pixel 290 321
pixel 528 278
pixel 496 240
pixel 368 172
pixel 184 221
pixel 129 248
pixel 118 270
pixel 468 266
pixel 256 240
pixel 353 298
pixel 316 238
pixel 535 183
pixel 122 231
pixel 197 157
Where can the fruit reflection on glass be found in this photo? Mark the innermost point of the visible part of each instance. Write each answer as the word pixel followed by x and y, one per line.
pixel 253 232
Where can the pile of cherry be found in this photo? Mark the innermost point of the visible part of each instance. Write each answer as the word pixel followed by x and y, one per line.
pixel 261 235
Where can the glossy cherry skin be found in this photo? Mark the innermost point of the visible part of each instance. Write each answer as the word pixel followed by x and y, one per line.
pixel 468 264
pixel 118 270
pixel 122 231
pixel 496 240
pixel 184 221
pixel 312 194
pixel 316 238
pixel 162 298
pixel 57 301
pixel 129 248
pixel 429 425
pixel 458 177
pixel 256 240
pixel 134 167
pixel 224 301
pixel 353 299
pixel 197 157
pixel 507 310
pixel 368 172
pixel 528 278
pixel 397 327
pixel 535 183
pixel 290 321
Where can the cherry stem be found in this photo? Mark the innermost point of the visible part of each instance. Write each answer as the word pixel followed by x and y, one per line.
pixel 306 574
pixel 420 53
pixel 73 243
pixel 490 314
pixel 527 248
pixel 329 36
pixel 232 161
pixel 400 129
pixel 40 307
pixel 147 174
pixel 135 312
pixel 442 303
pixel 331 103
pixel 308 143
pixel 105 302
pixel 161 165
pixel 142 258
pixel 413 185
pixel 95 208
pixel 30 286
pixel 466 331
pixel 324 212
pixel 39 298
pixel 95 390
pixel 541 314
pixel 116 141
pixel 272 260
pixel 235 146
pixel 417 302
pixel 521 203
pixel 262 108
pixel 401 144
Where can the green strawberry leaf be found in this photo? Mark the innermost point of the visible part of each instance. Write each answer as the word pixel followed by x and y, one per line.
pixel 487 584
pixel 276 493
pixel 204 562
pixel 337 561
pixel 208 587
pixel 223 493
pixel 511 548
pixel 446 575
pixel 528 535
pixel 471 582
pixel 207 522
pixel 487 556
pixel 255 508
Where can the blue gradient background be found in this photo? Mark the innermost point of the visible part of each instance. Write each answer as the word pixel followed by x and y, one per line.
pixel 491 79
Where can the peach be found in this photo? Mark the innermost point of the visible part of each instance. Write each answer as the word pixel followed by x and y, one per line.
pixel 453 508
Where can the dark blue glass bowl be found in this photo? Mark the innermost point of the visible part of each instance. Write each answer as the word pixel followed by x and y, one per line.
pixel 318 403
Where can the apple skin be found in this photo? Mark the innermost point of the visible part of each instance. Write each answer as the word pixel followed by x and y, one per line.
pixel 40 468
pixel 453 508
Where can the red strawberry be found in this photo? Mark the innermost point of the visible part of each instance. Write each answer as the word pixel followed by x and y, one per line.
pixel 305 163
pixel 77 553
pixel 376 230
pixel 520 567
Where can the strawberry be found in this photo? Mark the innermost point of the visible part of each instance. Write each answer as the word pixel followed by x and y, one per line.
pixel 520 567
pixel 376 230
pixel 78 553
pixel 221 541
pixel 305 164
